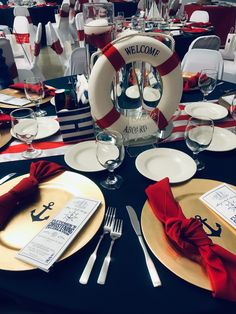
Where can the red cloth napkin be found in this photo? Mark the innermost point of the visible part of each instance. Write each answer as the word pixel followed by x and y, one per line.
pixel 199 24
pixel 189 237
pixel 49 91
pixel 26 188
pixel 5 119
pixel 191 82
pixel 193 30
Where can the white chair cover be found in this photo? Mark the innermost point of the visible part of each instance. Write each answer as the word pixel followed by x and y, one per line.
pixel 77 62
pixel 29 67
pixel 197 59
pixel 230 47
pixel 206 42
pixel 23 11
pixel 79 23
pixel 54 42
pixel 199 16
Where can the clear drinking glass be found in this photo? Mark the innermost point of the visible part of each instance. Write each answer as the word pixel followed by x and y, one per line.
pixel 232 110
pixel 110 154
pixel 34 91
pixel 207 82
pixel 25 128
pixel 98 26
pixel 198 136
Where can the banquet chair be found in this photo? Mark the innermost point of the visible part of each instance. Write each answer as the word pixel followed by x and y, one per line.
pixel 79 23
pixel 62 26
pixel 230 47
pixel 77 62
pixel 23 11
pixel 199 16
pixel 21 43
pixel 7 53
pixel 72 25
pixel 54 42
pixel 206 42
pixel 197 59
pixel 29 67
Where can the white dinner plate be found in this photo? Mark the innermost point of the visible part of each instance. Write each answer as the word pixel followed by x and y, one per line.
pixel 206 109
pixel 46 128
pixel 223 140
pixel 82 157
pixel 158 163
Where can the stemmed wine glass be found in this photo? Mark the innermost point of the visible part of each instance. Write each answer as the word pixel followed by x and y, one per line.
pixel 25 128
pixel 232 110
pixel 110 154
pixel 34 91
pixel 207 81
pixel 198 136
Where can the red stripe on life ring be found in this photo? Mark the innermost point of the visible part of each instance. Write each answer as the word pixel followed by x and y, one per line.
pixel 169 65
pixel 110 118
pixel 159 118
pixel 113 56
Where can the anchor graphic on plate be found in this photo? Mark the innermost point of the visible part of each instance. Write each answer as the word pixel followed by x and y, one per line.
pixel 38 216
pixel 213 232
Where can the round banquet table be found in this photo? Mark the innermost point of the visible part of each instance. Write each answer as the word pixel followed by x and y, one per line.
pixel 128 288
pixel 221 17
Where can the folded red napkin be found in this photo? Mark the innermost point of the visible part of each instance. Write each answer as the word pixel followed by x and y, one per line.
pixel 49 91
pixel 191 82
pixel 5 119
pixel 26 188
pixel 189 236
pixel 193 30
pixel 176 20
pixel 199 24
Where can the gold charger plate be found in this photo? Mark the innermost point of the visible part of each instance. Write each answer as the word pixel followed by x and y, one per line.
pixel 5 136
pixel 19 94
pixel 188 197
pixel 59 190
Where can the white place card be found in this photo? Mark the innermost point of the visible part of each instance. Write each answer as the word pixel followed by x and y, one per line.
pixel 49 244
pixel 222 200
pixel 10 100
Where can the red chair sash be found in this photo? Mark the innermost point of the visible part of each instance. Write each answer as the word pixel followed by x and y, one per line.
pixel 63 13
pixel 56 46
pixel 22 38
pixel 36 49
pixel 80 35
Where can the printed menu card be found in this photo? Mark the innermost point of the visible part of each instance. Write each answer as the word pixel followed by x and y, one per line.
pixel 222 200
pixel 49 244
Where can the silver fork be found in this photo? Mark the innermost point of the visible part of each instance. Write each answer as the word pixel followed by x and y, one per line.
pixel 107 227
pixel 115 234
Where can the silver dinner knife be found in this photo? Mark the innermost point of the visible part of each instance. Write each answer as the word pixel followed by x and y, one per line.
pixel 151 267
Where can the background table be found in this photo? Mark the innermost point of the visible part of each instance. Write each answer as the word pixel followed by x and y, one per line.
pixel 38 14
pixel 221 17
pixel 128 288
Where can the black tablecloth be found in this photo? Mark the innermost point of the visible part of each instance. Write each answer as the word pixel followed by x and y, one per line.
pixel 128 288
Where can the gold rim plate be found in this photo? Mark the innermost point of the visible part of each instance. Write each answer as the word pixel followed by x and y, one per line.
pixel 188 197
pixel 59 190
pixel 5 136
pixel 19 94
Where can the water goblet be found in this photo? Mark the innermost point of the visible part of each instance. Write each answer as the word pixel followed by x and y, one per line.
pixel 110 154
pixel 232 110
pixel 198 136
pixel 25 128
pixel 207 82
pixel 34 91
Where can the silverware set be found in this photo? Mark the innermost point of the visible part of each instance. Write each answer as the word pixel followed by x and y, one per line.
pixel 113 227
pixel 7 177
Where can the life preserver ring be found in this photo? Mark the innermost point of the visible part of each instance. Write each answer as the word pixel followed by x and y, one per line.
pixel 117 54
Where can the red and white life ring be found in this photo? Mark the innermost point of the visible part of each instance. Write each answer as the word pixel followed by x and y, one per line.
pixel 117 54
